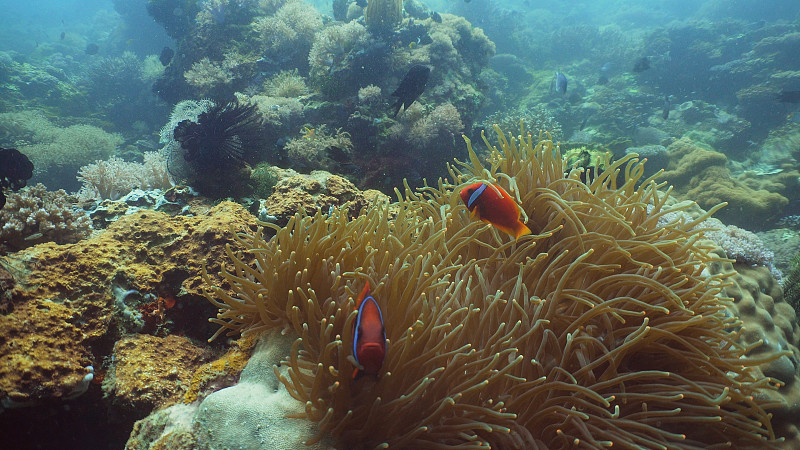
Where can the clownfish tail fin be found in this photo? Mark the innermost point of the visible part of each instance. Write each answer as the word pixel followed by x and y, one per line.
pixel 522 230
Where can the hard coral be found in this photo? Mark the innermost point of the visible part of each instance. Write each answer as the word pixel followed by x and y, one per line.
pixel 600 330
pixel 36 215
pixel 149 371
pixel 63 302
pixel 701 174
pixel 319 191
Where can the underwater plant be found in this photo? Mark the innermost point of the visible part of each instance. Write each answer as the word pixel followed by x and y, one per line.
pixel 600 329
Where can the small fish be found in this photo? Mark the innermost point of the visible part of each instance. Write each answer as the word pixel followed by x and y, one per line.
pixel 411 87
pixel 788 97
pixel 436 17
pixel 602 79
pixel 491 204
pixel 361 3
pixel 166 56
pixel 560 83
pixel 63 35
pixel 369 336
pixel 665 111
pixel 33 237
pixel 92 48
pixel 607 67
pixel 641 64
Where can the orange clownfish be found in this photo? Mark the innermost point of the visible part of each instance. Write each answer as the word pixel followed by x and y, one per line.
pixel 369 336
pixel 491 204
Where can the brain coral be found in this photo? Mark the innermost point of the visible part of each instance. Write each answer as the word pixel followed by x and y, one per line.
pixel 600 329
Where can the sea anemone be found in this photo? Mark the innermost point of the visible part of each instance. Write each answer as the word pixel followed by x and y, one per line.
pixel 602 329
pixel 221 143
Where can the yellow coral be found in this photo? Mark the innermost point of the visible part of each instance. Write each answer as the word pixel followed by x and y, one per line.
pixel 600 330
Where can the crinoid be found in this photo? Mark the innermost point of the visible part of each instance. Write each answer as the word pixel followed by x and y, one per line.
pixel 217 148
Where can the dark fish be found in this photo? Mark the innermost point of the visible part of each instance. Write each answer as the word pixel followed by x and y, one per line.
pixel 337 154
pixel 63 34
pixel 602 79
pixel 665 111
pixel 15 171
pixel 411 87
pixel 788 97
pixel 92 48
pixel 166 56
pixel 641 64
pixel 560 83
pixel 583 123
pixel 436 17
pixel 361 3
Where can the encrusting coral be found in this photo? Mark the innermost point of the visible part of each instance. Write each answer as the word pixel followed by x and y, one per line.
pixel 600 329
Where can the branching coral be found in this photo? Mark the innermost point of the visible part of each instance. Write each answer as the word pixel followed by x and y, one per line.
pixel 320 149
pixel 35 215
pixel 600 330
pixel 113 178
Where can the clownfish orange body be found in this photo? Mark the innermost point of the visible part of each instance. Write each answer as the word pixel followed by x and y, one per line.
pixel 369 336
pixel 491 204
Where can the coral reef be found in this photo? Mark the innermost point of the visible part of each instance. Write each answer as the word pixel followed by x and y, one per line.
pixel 113 178
pixel 149 371
pixel 290 29
pixel 554 340
pixel 382 16
pixel 287 84
pixel 443 122
pixel 329 54
pixel 700 174
pixel 770 323
pixel 319 191
pixel 64 304
pixel 256 411
pixel 205 74
pixel 34 215
pixel 57 152
pixel 319 149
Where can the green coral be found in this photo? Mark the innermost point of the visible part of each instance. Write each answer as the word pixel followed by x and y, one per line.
pixel 263 178
pixel 54 149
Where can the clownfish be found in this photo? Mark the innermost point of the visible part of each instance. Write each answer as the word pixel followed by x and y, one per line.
pixel 369 336
pixel 491 204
